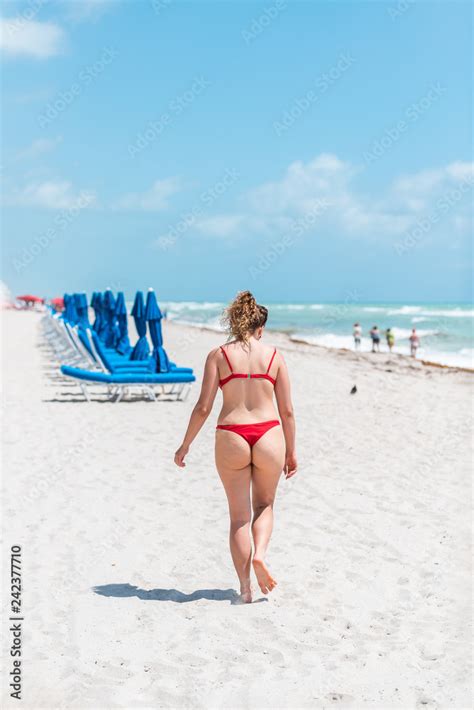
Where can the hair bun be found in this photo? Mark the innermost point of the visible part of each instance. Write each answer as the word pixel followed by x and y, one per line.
pixel 245 297
pixel 243 316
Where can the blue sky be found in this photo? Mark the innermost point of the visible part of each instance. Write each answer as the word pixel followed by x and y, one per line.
pixel 304 150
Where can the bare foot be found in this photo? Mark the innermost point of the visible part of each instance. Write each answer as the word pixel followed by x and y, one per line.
pixel 246 593
pixel 264 578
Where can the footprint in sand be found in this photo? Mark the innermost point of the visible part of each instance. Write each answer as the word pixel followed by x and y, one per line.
pixel 424 702
pixel 341 699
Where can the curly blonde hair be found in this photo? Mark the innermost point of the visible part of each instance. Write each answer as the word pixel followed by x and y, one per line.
pixel 243 316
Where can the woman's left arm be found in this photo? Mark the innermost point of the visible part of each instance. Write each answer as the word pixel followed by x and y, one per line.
pixel 202 409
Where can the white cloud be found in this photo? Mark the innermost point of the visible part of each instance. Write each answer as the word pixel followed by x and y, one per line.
pixel 418 193
pixel 23 37
pixel 426 182
pixel 223 225
pixel 324 177
pixel 61 194
pixel 241 225
pixel 419 183
pixel 55 195
pixel 38 147
pixel 86 10
pixel 357 217
pixel 327 181
pixel 27 97
pixel 156 199
pixel 461 172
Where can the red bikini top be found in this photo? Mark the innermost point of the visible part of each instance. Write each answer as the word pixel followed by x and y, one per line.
pixel 249 376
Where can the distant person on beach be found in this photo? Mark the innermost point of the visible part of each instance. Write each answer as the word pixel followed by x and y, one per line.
pixel 390 338
pixel 375 335
pixel 252 448
pixel 357 333
pixel 414 342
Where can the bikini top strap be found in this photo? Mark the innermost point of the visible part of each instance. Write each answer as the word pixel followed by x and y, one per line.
pixel 226 357
pixel 271 361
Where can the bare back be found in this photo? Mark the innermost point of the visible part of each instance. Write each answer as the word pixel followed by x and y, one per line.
pixel 245 399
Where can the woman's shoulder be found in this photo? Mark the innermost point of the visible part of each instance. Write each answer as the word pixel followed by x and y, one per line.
pixel 218 351
pixel 214 352
pixel 270 354
pixel 270 348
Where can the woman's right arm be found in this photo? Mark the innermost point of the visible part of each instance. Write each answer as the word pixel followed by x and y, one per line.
pixel 287 416
pixel 202 408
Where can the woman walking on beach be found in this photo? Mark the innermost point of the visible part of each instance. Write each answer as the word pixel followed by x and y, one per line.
pixel 251 449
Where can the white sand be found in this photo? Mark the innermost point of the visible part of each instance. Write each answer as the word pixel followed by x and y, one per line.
pixel 371 547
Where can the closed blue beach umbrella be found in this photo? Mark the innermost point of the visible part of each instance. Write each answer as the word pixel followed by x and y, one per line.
pixel 70 312
pixel 123 345
pixel 96 305
pixel 80 301
pixel 93 302
pixel 111 331
pixel 141 349
pixel 101 320
pixel 153 315
pixel 66 298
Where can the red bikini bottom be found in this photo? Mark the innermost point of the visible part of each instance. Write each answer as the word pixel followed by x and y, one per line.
pixel 250 432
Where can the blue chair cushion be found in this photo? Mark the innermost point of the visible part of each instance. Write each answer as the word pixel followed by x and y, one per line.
pixel 127 377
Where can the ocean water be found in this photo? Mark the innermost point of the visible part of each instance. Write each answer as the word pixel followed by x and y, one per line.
pixel 445 330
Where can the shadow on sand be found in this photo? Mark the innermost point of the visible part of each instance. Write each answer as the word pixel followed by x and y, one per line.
pixel 169 595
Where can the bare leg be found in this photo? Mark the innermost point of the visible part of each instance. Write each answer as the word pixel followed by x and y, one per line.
pixel 234 467
pixel 268 457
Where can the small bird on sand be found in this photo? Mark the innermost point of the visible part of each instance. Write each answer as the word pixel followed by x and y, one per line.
pixel 354 390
